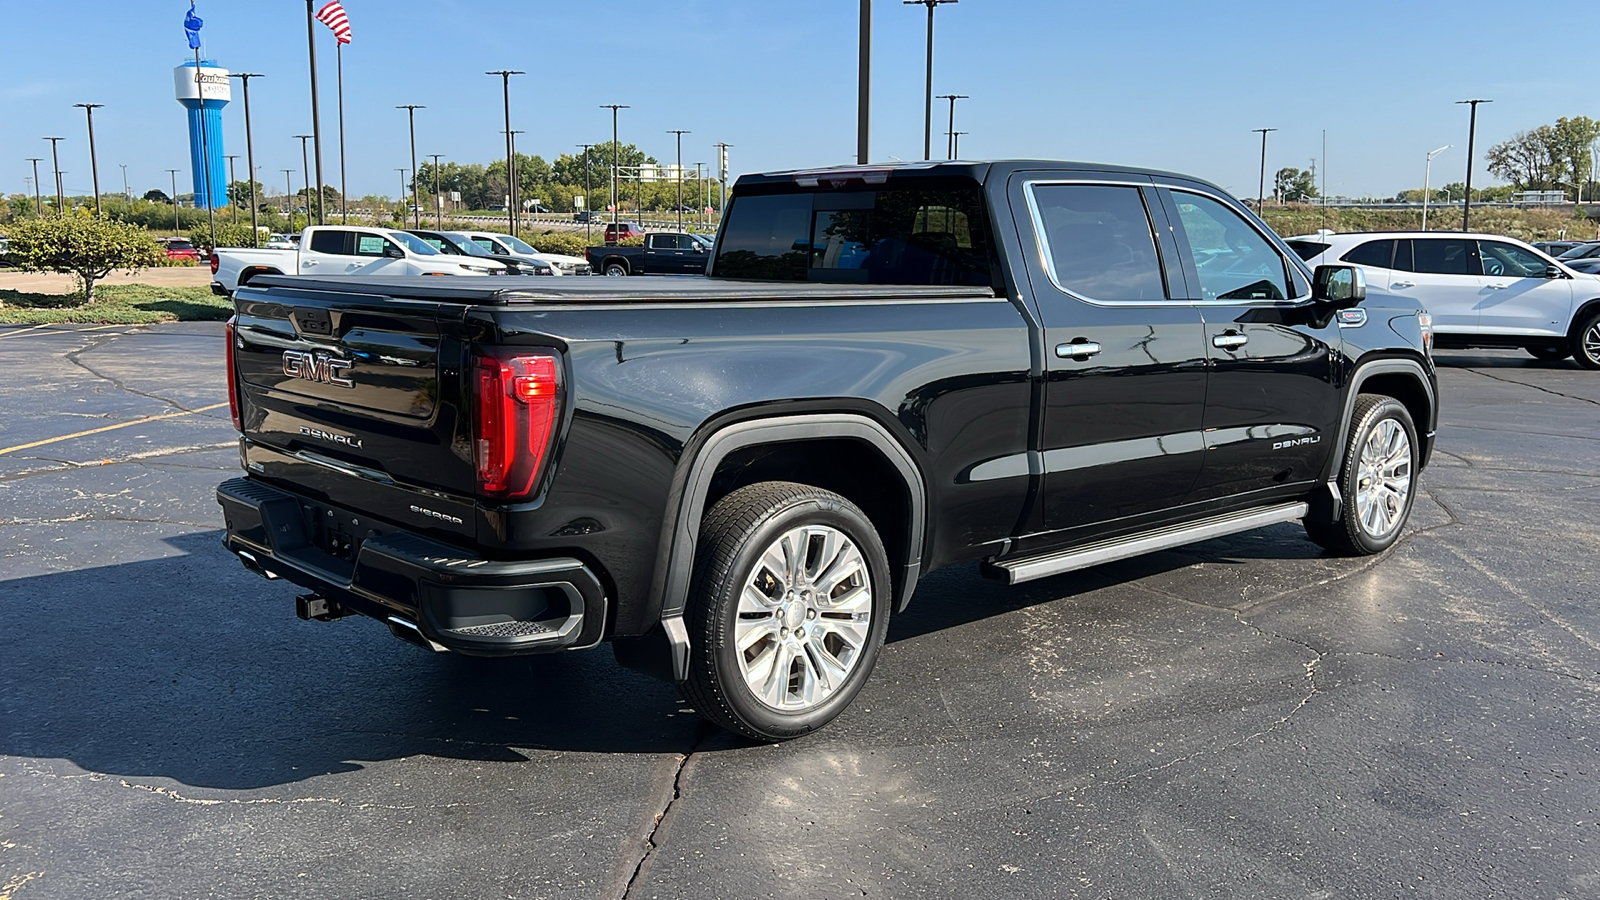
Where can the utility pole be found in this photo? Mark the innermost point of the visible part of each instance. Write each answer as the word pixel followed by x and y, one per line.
pixel 250 154
pixel 1261 192
pixel 288 197
pixel 722 175
pixel 438 201
pixel 125 196
pixel 927 117
pixel 305 166
pixel 614 151
pixel 505 86
pixel 416 207
pixel 38 201
pixel 94 166
pixel 950 145
pixel 1472 134
pixel 588 221
pixel 175 225
pixel 316 118
pixel 679 172
pixel 863 85
pixel 233 178
pixel 55 162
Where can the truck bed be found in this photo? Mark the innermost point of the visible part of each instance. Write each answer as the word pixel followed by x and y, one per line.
pixel 506 291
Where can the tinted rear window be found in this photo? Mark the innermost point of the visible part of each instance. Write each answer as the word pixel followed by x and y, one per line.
pixel 1442 256
pixel 330 242
pixel 925 235
pixel 1307 250
pixel 1372 253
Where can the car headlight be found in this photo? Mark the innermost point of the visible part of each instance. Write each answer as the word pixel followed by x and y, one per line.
pixel 485 270
pixel 542 270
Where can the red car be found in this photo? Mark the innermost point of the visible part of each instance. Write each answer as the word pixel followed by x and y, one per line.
pixel 180 248
pixel 616 231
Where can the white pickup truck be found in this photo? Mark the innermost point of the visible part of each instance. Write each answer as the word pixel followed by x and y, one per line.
pixel 344 250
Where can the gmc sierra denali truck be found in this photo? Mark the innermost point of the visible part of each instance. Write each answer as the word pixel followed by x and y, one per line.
pixel 737 480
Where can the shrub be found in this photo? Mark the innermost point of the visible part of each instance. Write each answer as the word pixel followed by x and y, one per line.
pixel 227 236
pixel 569 243
pixel 82 245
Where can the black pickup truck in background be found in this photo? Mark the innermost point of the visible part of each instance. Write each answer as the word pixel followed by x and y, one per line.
pixel 663 253
pixel 737 480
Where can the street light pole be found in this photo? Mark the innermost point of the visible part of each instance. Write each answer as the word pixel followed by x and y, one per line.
pixel 233 178
pixel 864 83
pixel 250 154
pixel 1427 176
pixel 1472 134
pixel 956 143
pixel 680 133
pixel 927 118
pixel 505 86
pixel 38 201
pixel 288 197
pixel 55 162
pixel 94 166
pixel 950 145
pixel 416 207
pixel 175 225
pixel 588 220
pixel 615 149
pixel 438 201
pixel 402 195
pixel 1261 192
pixel 722 175
pixel 305 166
pixel 514 183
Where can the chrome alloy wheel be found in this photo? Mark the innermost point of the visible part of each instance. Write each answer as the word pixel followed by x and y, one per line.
pixel 1591 341
pixel 805 614
pixel 1384 478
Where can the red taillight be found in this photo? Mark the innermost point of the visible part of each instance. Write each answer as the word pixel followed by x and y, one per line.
pixel 215 262
pixel 519 398
pixel 233 382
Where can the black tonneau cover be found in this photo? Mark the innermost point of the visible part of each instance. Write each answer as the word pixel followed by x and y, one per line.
pixel 514 289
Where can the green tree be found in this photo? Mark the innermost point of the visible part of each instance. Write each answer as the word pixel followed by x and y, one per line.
pixel 1295 185
pixel 239 192
pixel 1528 159
pixel 82 245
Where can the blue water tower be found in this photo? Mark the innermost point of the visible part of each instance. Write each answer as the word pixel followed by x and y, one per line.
pixel 204 90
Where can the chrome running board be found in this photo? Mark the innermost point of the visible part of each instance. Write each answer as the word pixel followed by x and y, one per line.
pixel 1016 571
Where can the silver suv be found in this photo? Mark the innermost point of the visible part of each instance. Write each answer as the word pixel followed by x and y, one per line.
pixel 1483 290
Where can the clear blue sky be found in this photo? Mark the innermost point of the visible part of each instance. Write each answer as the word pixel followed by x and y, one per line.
pixel 1175 85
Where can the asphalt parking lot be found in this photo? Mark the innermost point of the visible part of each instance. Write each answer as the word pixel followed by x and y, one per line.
pixel 1241 718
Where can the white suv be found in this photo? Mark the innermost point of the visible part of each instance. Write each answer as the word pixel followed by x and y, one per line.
pixel 1483 290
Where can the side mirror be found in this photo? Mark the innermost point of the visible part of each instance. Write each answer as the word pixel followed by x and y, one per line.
pixel 1554 271
pixel 1339 286
pixel 393 252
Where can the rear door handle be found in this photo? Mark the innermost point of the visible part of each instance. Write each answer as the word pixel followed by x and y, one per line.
pixel 1229 341
pixel 1078 349
pixel 1403 284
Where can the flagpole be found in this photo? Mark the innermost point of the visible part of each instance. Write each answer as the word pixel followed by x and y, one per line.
pixel 316 117
pixel 344 194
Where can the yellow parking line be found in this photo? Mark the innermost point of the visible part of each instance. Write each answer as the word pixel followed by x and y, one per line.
pixel 105 428
pixel 104 327
pixel 24 331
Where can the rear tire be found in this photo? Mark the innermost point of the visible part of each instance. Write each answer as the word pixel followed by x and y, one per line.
pixel 1377 479
pixel 1586 342
pixel 616 269
pixel 1548 354
pixel 788 610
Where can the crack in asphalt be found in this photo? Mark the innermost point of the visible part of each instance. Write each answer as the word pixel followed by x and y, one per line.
pixel 99 341
pixel 93 517
pixel 650 846
pixel 67 465
pixel 1533 386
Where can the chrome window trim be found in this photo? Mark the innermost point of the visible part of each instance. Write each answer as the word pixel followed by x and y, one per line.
pixel 1048 260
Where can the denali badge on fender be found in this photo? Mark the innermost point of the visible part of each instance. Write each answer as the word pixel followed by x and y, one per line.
pixel 316 367
pixel 1296 442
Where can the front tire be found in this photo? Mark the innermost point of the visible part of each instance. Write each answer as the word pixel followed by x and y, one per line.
pixel 1586 342
pixel 789 609
pixel 1377 478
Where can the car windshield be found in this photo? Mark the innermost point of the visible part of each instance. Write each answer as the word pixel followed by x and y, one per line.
pixel 413 243
pixel 464 246
pixel 516 244
pixel 1581 251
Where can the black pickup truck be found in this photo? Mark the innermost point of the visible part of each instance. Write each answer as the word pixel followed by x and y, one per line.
pixel 663 253
pixel 737 480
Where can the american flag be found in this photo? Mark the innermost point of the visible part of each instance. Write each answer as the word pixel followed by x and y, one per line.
pixel 334 17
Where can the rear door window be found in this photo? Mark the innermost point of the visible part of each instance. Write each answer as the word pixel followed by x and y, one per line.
pixel 1372 253
pixel 1442 256
pixel 1098 241
pixel 330 241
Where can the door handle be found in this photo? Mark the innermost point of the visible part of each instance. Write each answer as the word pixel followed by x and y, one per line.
pixel 1230 341
pixel 304 263
pixel 1498 287
pixel 1079 349
pixel 1403 284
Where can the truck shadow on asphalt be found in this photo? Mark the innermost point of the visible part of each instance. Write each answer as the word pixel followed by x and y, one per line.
pixel 189 668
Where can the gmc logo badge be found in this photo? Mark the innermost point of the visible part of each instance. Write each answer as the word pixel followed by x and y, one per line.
pixel 316 367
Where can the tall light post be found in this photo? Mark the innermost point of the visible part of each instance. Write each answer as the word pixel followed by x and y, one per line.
pixel 288 196
pixel 38 200
pixel 438 201
pixel 1472 134
pixel 512 181
pixel 175 225
pixel 701 182
pixel 55 163
pixel 615 149
pixel 950 144
pixel 679 171
pixel 927 119
pixel 863 83
pixel 233 178
pixel 1427 175
pixel 94 166
pixel 722 175
pixel 416 207
pixel 956 143
pixel 1261 192
pixel 249 154
pixel 305 167
pixel 511 208
pixel 402 195
pixel 316 117
pixel 588 221
pixel 126 197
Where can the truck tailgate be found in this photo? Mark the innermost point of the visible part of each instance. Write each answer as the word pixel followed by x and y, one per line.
pixel 354 399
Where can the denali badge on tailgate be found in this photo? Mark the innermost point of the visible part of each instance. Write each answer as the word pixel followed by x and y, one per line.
pixel 316 367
